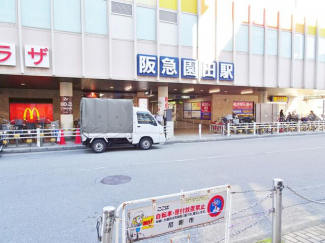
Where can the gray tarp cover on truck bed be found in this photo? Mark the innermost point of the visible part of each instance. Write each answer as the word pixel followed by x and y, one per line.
pixel 106 116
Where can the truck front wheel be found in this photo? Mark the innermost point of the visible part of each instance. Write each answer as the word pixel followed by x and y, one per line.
pixel 145 143
pixel 98 146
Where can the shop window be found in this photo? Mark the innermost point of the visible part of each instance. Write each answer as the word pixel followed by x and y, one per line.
pixel 272 18
pixel 8 11
pixel 171 29
pixel 272 42
pixel 258 40
pixel 299 46
pixel 311 48
pixel 242 38
pixel 67 15
pixel 96 16
pixel 189 30
pixel 146 24
pixel 36 13
pixel 285 19
pixel 321 49
pixel 146 118
pixel 286 41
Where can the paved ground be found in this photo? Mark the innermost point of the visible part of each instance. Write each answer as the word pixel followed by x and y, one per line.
pixel 56 196
pixel 311 234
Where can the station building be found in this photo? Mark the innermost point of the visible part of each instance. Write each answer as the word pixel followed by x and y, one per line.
pixel 202 58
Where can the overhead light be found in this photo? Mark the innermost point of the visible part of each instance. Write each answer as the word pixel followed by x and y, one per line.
pixel 188 90
pixel 214 91
pixel 175 89
pixel 128 88
pixel 201 89
pixel 101 95
pixel 247 91
pixel 112 87
pixel 144 88
pixel 22 84
pixel 226 91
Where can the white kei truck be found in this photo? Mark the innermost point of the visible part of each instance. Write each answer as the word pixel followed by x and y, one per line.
pixel 115 122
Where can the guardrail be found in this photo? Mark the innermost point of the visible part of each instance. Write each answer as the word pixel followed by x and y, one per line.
pixel 271 127
pixel 38 136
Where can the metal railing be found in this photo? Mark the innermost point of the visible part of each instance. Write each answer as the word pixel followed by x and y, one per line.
pixel 113 222
pixel 36 136
pixel 268 128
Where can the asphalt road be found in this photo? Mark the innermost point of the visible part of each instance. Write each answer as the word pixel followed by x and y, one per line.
pixel 55 197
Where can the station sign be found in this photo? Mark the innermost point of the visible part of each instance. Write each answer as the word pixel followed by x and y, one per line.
pixel 167 217
pixel 147 65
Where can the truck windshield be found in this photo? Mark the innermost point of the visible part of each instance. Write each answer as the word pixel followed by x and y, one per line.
pixel 146 118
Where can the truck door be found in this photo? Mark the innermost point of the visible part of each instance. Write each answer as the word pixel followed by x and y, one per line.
pixel 147 126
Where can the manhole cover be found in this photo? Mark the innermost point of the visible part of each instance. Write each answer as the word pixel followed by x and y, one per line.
pixel 116 180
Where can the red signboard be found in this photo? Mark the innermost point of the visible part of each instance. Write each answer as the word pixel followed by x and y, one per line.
pixel 243 105
pixel 243 108
pixel 31 112
pixel 206 107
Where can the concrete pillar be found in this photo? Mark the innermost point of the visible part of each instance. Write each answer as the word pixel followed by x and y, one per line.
pixel 262 97
pixel 162 99
pixel 66 111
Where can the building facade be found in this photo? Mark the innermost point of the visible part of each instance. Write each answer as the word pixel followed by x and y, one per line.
pixel 155 51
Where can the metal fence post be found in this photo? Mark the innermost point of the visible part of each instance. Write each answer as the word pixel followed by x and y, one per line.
pixel 254 128
pixel 298 126
pixel 277 211
pixel 107 225
pixel 200 130
pixel 228 129
pixel 38 137
pixel 277 128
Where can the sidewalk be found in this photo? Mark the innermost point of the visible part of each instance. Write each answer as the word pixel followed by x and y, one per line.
pixel 308 235
pixel 180 137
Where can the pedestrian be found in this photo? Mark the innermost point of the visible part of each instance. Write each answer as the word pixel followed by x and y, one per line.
pixel 159 118
pixel 282 117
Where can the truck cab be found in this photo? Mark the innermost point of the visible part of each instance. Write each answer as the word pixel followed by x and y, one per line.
pixel 146 126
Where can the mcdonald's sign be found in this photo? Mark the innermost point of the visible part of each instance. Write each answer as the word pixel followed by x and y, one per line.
pixel 30 112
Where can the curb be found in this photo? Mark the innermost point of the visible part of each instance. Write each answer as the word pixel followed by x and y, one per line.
pixel 42 149
pixel 225 138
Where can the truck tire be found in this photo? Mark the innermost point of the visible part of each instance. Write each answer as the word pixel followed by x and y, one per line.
pixel 145 143
pixel 98 146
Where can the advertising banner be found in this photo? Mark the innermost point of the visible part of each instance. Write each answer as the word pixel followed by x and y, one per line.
pixel 29 112
pixel 188 114
pixel 196 114
pixel 196 106
pixel 206 111
pixel 66 105
pixel 175 215
pixel 187 106
pixel 243 107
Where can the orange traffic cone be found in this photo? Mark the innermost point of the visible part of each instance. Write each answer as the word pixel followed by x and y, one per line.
pixel 62 139
pixel 78 138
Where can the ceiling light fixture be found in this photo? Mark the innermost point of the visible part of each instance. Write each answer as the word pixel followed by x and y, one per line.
pixel 101 95
pixel 128 88
pixel 226 91
pixel 175 89
pixel 22 84
pixel 112 87
pixel 188 90
pixel 214 91
pixel 247 91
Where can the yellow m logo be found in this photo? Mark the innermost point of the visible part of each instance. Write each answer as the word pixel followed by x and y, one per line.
pixel 31 113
